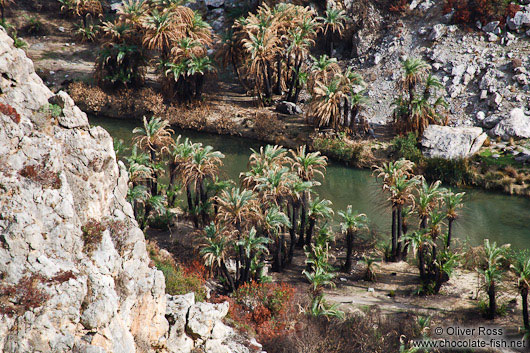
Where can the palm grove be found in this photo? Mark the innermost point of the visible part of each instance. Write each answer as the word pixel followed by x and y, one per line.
pixel 274 207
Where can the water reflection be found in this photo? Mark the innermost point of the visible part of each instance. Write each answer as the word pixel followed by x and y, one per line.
pixel 501 218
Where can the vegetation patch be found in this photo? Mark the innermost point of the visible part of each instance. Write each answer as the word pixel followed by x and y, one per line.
pixel 92 235
pixel 353 153
pixel 11 112
pixel 52 110
pixel 42 176
pixel 263 308
pixel 25 295
pixel 179 279
pixel 470 11
pixel 453 172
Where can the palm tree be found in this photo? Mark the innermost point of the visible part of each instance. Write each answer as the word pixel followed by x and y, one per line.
pixel 307 165
pixel 428 197
pixel 215 252
pixel 389 173
pixel 154 137
pixel 521 268
pixel 414 71
pixel 452 203
pixel 401 194
pixel 351 223
pixel 297 189
pixel 262 49
pixel 318 209
pixel 420 241
pixel 236 205
pixel 3 5
pixel 333 22
pixel 369 274
pixel 132 11
pixel 198 67
pixel 160 32
pixel 230 53
pixel 492 273
pixel 414 110
pixel 203 164
pixel 273 222
pixel 253 245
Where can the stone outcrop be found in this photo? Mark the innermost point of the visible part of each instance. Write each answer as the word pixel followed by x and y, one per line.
pixel 74 270
pixel 451 142
pixel 517 125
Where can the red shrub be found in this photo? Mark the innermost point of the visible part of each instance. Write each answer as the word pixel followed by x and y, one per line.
pixel 398 6
pixel 470 11
pixel 10 112
pixel 264 308
pixel 62 276
pixel 23 296
pixel 41 175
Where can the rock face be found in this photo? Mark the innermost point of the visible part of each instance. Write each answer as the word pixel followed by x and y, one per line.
pixel 71 252
pixel 451 142
pixel 517 125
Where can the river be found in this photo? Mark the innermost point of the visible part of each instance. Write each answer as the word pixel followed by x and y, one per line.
pixel 501 218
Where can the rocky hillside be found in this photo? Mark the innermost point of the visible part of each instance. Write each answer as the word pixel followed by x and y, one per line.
pixel 74 271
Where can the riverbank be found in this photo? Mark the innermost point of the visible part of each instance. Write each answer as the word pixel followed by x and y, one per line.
pixel 227 111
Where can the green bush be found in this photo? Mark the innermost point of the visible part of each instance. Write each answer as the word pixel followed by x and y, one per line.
pixel 179 280
pixel 338 149
pixel 407 147
pixel 453 172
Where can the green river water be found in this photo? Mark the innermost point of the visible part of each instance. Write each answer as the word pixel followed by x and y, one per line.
pixel 501 218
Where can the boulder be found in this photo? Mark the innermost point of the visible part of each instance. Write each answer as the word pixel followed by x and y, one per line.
pixel 519 20
pixel 438 31
pixel 517 125
pixel 451 142
pixel 214 3
pixel 491 27
pixel 491 121
pixel 288 108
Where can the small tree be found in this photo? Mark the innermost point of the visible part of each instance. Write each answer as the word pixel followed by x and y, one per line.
pixel 521 268
pixel 351 223
pixel 492 273
pixel 418 106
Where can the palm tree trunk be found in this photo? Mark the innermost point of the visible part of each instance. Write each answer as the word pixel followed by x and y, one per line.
pixel 423 223
pixel 266 82
pixel 239 258
pixel 399 233
pixel 449 231
pixel 394 238
pixel 524 300
pixel 228 277
pixel 189 198
pixel 294 79
pixel 292 231
pixel 277 257
pixel 204 199
pixel 421 262
pixel 492 300
pixel 278 89
pixel 330 43
pixel 346 121
pixel 309 234
pixel 154 181
pixel 199 83
pixel 349 251
pixel 172 179
pixel 303 217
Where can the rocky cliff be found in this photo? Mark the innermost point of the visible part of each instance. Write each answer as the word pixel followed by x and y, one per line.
pixel 75 275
